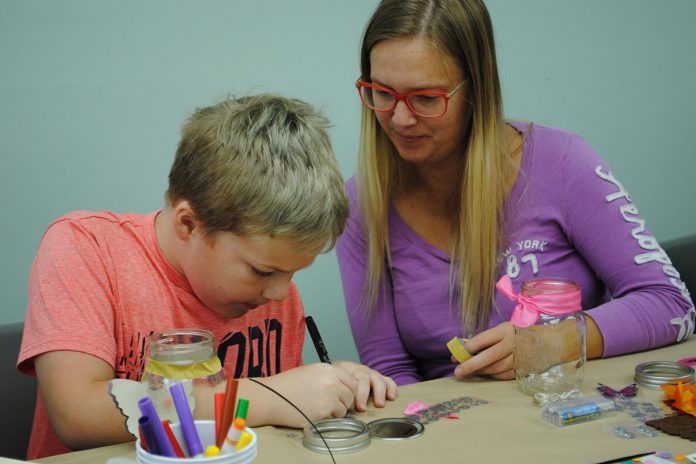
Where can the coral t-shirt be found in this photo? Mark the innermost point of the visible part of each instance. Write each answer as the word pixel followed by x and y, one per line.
pixel 100 285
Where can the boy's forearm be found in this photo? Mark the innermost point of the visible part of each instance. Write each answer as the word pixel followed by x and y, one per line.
pixel 265 407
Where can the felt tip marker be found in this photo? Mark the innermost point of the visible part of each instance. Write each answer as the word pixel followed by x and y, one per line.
pixel 233 436
pixel 188 426
pixel 316 339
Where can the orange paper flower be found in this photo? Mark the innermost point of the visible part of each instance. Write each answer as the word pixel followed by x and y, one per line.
pixel 683 397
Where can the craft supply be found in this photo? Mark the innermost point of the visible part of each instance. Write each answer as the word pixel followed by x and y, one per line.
pixel 175 355
pixel 147 433
pixel 652 374
pixel 160 436
pixel 438 411
pixel 243 442
pixel 233 436
pixel 143 442
pixel 609 392
pixel 317 340
pixel 206 431
pixel 688 361
pixel 456 347
pixel 211 451
pixel 340 435
pixel 227 411
pixel 575 411
pixel 188 427
pixel 219 403
pixel 395 428
pixel 242 408
pixel 172 439
pixel 549 341
pixel 627 458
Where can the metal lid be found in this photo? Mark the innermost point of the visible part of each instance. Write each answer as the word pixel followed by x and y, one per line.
pixel 395 428
pixel 652 374
pixel 341 435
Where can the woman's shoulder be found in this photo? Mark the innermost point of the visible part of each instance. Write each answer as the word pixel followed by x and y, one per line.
pixel 542 133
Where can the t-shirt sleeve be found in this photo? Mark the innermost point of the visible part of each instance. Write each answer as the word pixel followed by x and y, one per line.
pixel 71 301
pixel 648 304
pixel 376 335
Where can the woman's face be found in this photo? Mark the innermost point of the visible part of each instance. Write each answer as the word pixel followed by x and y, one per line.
pixel 413 63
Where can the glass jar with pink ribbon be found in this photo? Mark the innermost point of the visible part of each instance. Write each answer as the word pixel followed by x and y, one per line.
pixel 550 338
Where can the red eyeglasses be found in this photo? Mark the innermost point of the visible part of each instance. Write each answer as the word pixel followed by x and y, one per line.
pixel 424 103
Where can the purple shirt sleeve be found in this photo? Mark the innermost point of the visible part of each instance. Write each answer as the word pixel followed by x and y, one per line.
pixel 647 306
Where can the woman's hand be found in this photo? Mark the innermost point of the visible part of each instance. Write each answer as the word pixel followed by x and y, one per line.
pixel 492 354
pixel 368 380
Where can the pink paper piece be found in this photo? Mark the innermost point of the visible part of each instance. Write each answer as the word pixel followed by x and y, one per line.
pixel 415 406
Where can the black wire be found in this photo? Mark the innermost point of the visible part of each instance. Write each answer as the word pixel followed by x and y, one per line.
pixel 303 415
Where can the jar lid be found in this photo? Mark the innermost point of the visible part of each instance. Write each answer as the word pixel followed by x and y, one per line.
pixel 652 374
pixel 350 435
pixel 341 436
pixel 395 428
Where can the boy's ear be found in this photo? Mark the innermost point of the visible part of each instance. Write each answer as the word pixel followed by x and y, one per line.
pixel 186 224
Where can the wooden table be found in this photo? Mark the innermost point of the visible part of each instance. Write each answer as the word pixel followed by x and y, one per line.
pixel 506 429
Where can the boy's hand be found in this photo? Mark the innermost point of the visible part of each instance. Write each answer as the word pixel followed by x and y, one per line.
pixel 492 354
pixel 320 390
pixel 368 380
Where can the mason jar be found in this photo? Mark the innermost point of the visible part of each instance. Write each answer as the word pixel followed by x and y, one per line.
pixel 179 356
pixel 550 354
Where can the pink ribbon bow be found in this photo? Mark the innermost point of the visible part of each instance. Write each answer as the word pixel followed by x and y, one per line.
pixel 527 310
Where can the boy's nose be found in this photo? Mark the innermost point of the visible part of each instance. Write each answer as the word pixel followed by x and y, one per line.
pixel 278 291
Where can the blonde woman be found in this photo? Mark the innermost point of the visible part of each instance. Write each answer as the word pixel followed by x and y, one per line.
pixel 449 197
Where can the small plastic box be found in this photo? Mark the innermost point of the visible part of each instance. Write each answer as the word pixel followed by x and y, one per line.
pixel 569 412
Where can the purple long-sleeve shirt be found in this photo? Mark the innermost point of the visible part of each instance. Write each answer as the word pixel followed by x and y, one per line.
pixel 566 216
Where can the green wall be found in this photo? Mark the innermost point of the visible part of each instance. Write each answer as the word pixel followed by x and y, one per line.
pixel 93 93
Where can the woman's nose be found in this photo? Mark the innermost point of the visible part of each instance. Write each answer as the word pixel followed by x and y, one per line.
pixel 402 114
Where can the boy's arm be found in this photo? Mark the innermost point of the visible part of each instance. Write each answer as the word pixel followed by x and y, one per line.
pixel 319 390
pixel 75 390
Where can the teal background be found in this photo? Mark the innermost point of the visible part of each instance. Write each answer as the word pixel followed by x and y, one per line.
pixel 93 93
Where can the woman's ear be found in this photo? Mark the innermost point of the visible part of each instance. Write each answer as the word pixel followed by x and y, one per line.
pixel 186 223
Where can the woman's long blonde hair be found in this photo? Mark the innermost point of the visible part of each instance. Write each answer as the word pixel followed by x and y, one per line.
pixel 462 29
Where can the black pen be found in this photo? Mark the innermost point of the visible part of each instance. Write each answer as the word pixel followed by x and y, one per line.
pixel 318 342
pixel 626 458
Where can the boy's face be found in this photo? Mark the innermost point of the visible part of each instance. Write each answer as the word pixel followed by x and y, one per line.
pixel 232 275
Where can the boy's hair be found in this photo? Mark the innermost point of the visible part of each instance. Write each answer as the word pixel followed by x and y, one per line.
pixel 261 164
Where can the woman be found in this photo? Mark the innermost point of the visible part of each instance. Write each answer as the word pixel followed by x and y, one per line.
pixel 449 197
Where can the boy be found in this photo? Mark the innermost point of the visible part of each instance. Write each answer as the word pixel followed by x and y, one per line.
pixel 254 195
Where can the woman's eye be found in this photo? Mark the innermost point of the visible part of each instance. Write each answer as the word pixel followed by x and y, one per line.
pixel 425 99
pixel 261 273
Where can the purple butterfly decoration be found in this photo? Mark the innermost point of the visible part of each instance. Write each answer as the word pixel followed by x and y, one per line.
pixel 609 392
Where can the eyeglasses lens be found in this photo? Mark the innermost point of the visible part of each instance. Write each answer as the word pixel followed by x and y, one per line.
pixel 422 104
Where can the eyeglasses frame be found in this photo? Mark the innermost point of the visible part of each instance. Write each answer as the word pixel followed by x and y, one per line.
pixel 360 84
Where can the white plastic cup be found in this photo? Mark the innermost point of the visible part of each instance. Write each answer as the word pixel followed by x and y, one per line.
pixel 206 431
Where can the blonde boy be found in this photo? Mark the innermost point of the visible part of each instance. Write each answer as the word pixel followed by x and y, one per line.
pixel 254 195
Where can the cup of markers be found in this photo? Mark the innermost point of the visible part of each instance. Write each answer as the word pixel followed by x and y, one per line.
pixel 206 431
pixel 223 441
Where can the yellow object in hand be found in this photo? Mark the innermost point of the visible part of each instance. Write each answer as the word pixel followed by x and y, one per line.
pixel 211 451
pixel 243 441
pixel 456 347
